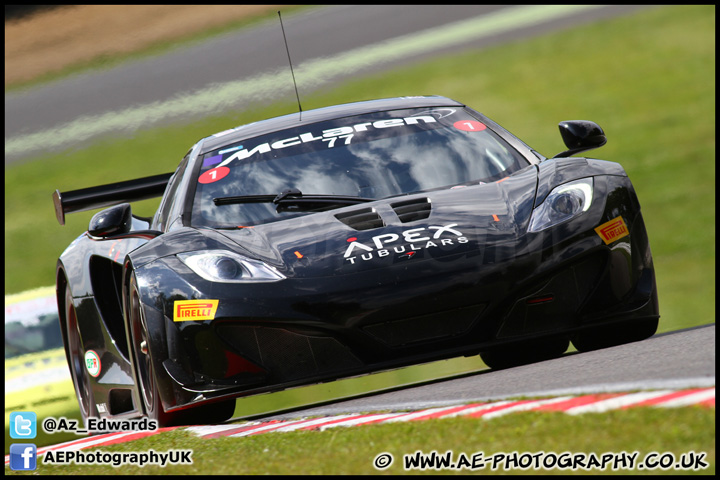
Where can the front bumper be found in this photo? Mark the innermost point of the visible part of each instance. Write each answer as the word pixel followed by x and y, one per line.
pixel 307 331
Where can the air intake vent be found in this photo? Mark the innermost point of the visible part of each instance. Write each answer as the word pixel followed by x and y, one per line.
pixel 363 219
pixel 411 210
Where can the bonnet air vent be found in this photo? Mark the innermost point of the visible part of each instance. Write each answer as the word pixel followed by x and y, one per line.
pixel 362 219
pixel 411 210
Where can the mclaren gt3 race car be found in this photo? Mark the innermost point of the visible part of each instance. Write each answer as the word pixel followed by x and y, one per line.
pixel 341 241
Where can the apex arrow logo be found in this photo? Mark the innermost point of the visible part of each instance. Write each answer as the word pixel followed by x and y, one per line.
pixel 407 242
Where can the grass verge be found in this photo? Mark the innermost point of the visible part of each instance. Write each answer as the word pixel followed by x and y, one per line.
pixel 183 40
pixel 667 433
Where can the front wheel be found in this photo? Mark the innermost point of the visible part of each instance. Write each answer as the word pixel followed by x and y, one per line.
pixel 616 334
pixel 147 376
pixel 525 353
pixel 147 384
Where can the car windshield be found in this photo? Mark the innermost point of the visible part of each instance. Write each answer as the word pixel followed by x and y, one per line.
pixel 373 156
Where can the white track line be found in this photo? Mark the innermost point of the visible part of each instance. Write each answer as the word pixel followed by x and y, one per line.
pixel 617 402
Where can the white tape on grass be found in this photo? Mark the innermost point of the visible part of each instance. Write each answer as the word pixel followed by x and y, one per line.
pixel 310 75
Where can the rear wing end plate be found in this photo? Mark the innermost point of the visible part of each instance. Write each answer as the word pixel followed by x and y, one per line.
pixel 108 195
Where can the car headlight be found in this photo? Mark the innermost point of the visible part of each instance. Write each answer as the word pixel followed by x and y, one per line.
pixel 229 267
pixel 563 203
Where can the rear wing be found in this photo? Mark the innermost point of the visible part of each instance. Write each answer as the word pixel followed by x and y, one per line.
pixel 108 195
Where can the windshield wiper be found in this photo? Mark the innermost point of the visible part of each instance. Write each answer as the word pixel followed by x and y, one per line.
pixel 293 196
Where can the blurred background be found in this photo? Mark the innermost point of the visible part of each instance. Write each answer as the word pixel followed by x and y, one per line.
pixel 97 94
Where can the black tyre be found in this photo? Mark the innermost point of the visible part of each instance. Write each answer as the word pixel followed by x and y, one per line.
pixel 147 376
pixel 525 353
pixel 139 343
pixel 76 359
pixel 616 334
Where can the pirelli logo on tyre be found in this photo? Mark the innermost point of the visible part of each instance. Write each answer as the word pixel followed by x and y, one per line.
pixel 194 310
pixel 613 230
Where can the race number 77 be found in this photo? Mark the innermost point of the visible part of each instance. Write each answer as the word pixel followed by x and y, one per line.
pixel 331 141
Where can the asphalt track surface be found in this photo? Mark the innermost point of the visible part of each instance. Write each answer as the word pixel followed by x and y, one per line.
pixel 673 360
pixel 328 44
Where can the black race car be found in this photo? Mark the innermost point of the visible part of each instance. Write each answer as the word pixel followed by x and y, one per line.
pixel 346 240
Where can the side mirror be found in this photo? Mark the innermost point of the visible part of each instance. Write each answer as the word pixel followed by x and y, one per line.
pixel 111 221
pixel 580 135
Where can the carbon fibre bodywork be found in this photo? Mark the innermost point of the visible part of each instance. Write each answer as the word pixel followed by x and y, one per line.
pixel 347 288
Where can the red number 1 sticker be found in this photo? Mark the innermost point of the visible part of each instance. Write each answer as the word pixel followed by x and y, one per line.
pixel 214 175
pixel 469 125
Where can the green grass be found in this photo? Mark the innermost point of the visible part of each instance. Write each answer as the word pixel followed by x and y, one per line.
pixel 350 451
pixel 53 400
pixel 59 399
pixel 648 79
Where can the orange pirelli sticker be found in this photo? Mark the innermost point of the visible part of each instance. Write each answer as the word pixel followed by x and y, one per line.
pixel 613 230
pixel 189 310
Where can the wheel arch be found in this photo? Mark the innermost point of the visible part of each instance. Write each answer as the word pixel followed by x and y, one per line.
pixel 159 351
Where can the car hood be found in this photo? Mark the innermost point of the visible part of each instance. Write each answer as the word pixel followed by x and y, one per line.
pixel 432 226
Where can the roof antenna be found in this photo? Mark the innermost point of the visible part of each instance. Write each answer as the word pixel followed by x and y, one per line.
pixel 290 62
